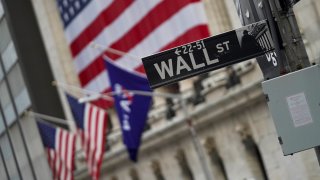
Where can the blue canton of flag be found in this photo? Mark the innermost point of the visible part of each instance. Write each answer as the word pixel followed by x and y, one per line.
pixel 69 9
pixel 60 146
pixel 132 109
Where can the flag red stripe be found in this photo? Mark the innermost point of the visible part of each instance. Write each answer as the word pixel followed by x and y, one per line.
pixel 59 153
pixel 193 34
pixel 66 156
pixel 103 103
pixel 96 144
pixel 104 19
pixel 104 134
pixel 54 169
pixel 140 69
pixel 72 156
pixel 153 19
pixel 196 33
pixel 98 66
pixel 91 71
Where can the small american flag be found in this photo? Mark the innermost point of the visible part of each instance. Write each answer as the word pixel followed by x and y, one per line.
pixel 60 146
pixel 138 27
pixel 92 124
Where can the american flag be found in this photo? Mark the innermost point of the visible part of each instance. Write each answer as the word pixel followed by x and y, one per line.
pixel 92 124
pixel 138 27
pixel 60 146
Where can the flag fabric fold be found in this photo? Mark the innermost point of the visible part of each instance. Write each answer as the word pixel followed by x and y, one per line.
pixel 91 123
pixel 132 109
pixel 60 147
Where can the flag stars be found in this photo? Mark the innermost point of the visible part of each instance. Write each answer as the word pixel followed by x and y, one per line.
pixel 66 17
pixel 71 11
pixel 77 5
pixel 65 3
pixel 61 9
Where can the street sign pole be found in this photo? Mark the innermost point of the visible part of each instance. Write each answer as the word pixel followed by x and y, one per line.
pixel 198 147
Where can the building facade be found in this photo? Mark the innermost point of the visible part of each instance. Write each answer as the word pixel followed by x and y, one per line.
pixel 232 121
pixel 25 87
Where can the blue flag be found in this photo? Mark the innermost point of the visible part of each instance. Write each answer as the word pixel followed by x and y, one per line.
pixel 132 109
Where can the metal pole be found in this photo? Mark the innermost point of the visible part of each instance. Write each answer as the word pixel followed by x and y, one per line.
pixel 49 118
pixel 293 40
pixel 4 164
pixel 18 122
pixel 10 141
pixel 284 64
pixel 197 145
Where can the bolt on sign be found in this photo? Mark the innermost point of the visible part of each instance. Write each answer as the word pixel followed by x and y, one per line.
pixel 206 55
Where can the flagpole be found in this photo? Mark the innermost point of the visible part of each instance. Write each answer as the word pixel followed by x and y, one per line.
pixel 48 118
pixel 83 91
pixel 103 48
pixel 195 140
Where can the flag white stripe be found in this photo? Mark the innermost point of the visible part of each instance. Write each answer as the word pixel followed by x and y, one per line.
pixel 93 126
pixel 163 36
pixel 100 135
pixel 117 29
pixel 99 83
pixel 70 148
pixel 85 18
pixel 86 125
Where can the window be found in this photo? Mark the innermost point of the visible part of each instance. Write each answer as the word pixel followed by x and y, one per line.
pixel 254 156
pixel 134 174
pixel 3 167
pixel 156 168
pixel 253 150
pixel 8 157
pixel 4 35
pixel 6 104
pixel 9 56
pixel 2 127
pixel 184 165
pixel 216 160
pixel 114 178
pixel 1 75
pixel 1 10
pixel 18 89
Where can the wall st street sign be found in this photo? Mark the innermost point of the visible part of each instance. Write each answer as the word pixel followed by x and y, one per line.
pixel 207 54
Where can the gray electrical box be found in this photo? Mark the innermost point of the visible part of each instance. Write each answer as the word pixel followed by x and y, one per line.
pixel 294 102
